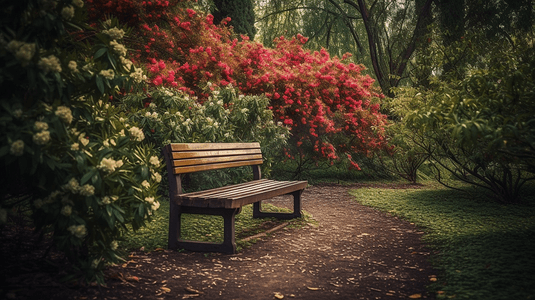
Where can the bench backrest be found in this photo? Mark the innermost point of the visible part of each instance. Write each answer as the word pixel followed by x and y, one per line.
pixel 182 158
pixel 194 157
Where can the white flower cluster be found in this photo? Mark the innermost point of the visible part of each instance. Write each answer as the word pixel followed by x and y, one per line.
pixel 154 204
pixel 88 68
pixel 114 245
pixel 145 184
pixel 78 3
pixel 17 113
pixel 109 164
pixel 107 142
pixel 67 12
pixel 138 75
pixel 73 66
pixel 154 161
pixel 73 186
pixel 23 51
pixel 87 190
pixel 107 199
pixel 82 139
pixel 127 64
pixel 49 64
pixel 17 147
pixel 66 210
pixel 118 48
pixel 64 113
pixel 40 126
pixel 78 231
pixel 136 134
pixel 41 138
pixel 114 33
pixel 154 115
pixel 156 177
pixel 108 74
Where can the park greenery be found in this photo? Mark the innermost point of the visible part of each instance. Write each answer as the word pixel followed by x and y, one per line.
pixel 93 90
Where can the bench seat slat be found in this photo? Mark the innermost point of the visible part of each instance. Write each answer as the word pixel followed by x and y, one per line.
pixel 212 191
pixel 237 196
pixel 232 193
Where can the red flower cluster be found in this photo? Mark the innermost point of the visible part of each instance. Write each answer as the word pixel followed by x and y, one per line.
pixel 325 101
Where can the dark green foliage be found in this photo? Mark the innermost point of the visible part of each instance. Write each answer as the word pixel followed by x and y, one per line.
pixel 241 13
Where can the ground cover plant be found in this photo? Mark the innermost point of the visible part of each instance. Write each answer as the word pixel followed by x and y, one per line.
pixel 482 249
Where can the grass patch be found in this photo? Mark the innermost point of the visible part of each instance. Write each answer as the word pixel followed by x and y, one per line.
pixel 484 250
pixel 204 228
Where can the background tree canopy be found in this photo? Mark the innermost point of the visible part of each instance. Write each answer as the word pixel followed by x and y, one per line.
pixel 388 36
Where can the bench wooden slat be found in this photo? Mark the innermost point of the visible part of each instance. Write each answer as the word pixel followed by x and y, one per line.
pixel 211 160
pixel 235 197
pixel 210 153
pixel 230 193
pixel 282 188
pixel 245 184
pixel 212 146
pixel 191 169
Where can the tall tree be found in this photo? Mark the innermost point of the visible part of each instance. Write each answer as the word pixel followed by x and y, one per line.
pixel 383 34
pixel 241 13
pixel 386 34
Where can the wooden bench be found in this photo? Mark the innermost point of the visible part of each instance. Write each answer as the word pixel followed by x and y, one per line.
pixel 226 201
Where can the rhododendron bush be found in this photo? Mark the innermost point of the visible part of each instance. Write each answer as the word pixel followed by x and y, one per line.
pixel 331 109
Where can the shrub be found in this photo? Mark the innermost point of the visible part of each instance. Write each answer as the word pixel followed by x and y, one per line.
pixel 480 128
pixel 167 115
pixel 332 110
pixel 71 158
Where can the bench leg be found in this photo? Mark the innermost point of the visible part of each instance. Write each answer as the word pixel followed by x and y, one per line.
pixel 229 237
pixel 174 225
pixel 257 213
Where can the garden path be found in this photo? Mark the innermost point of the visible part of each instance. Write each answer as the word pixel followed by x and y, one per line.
pixel 354 252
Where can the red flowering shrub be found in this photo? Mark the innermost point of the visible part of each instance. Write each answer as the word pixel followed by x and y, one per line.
pixel 326 103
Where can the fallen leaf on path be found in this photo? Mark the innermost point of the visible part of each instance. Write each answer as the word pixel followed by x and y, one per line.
pixel 279 295
pixel 192 290
pixel 159 249
pixel 313 288
pixel 415 296
pixel 165 289
pixel 132 278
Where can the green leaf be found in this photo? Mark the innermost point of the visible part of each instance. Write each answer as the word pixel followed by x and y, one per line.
pixel 145 172
pixel 100 84
pixel 100 52
pixel 118 215
pixel 88 176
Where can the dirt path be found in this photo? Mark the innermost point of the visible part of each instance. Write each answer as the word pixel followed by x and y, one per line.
pixel 355 253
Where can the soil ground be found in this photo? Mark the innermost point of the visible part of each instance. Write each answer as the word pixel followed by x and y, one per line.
pixel 353 252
